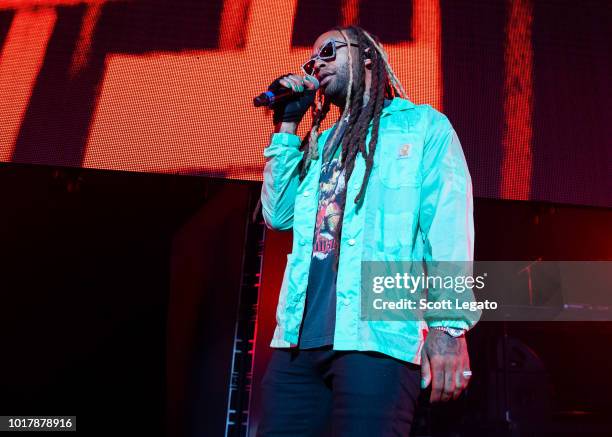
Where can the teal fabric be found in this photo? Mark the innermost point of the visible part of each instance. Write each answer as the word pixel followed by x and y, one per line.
pixel 417 206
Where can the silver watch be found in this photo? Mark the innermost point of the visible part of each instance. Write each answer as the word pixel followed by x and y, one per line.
pixel 453 332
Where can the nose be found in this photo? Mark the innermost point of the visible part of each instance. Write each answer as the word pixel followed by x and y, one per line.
pixel 319 63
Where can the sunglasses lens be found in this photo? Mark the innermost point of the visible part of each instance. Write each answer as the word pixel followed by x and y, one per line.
pixel 327 51
pixel 308 67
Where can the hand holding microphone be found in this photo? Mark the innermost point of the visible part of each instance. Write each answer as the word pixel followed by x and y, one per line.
pixel 289 96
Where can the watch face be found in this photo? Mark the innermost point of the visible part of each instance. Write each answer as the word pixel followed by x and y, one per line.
pixel 455 332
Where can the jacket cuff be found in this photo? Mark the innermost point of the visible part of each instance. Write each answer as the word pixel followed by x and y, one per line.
pixel 457 324
pixel 285 139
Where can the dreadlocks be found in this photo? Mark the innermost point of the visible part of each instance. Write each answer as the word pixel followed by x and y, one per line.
pixel 384 83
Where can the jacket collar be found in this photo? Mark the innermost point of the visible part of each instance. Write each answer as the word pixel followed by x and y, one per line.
pixel 397 104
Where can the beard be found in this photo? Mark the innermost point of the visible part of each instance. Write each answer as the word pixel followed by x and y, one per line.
pixel 337 87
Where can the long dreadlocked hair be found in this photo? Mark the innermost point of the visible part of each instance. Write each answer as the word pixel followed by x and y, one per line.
pixel 384 84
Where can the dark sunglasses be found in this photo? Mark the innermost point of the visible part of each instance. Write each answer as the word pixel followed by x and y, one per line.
pixel 326 53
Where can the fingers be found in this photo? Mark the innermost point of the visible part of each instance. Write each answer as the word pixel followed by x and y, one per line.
pixel 461 383
pixel 461 380
pixel 447 379
pixel 425 371
pixel 444 368
pixel 450 372
pixel 308 84
pixel 295 82
pixel 437 379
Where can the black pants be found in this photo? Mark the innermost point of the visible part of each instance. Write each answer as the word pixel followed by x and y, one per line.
pixel 310 392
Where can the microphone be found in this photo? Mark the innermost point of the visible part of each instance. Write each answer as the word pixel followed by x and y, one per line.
pixel 281 94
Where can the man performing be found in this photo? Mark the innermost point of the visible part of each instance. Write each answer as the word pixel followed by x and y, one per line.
pixel 387 182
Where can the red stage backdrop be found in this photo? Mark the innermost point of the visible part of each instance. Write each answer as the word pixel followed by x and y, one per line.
pixel 166 85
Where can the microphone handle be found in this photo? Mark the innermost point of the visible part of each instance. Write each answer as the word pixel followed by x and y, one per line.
pixel 269 98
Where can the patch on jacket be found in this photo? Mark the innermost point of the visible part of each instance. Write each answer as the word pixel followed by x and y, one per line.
pixel 404 151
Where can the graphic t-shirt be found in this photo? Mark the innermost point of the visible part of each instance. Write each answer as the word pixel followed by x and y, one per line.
pixel 320 312
pixel 319 319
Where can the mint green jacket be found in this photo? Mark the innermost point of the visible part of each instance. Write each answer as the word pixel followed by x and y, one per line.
pixel 417 206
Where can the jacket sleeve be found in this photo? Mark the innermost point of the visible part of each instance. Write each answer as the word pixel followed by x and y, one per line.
pixel 280 180
pixel 446 222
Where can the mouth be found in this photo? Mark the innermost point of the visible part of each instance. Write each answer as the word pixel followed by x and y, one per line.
pixel 325 80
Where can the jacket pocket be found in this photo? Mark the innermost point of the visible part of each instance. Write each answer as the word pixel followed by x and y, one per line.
pixel 399 158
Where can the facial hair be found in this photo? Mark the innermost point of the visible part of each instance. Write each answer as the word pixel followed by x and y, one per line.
pixel 336 90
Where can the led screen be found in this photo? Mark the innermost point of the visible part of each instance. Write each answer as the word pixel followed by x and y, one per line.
pixel 167 86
